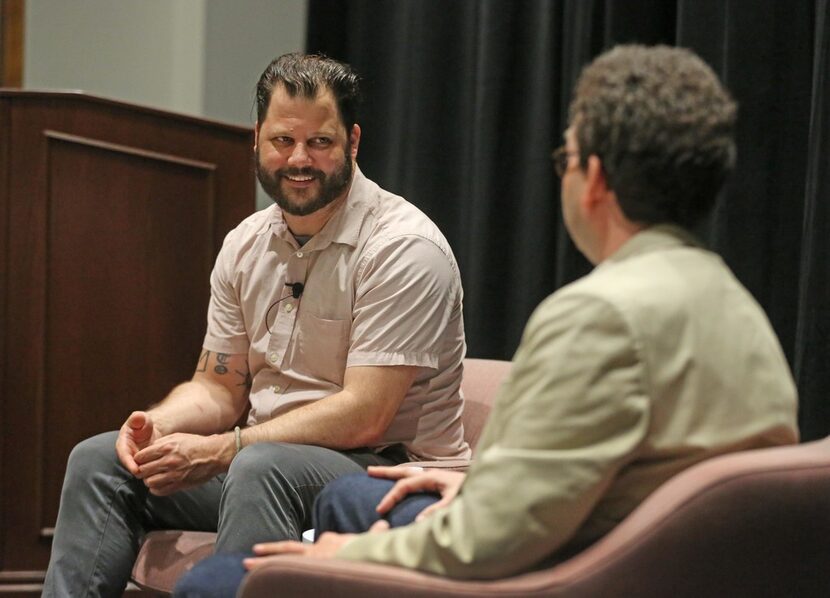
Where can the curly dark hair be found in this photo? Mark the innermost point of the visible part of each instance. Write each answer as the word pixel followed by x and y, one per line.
pixel 662 125
pixel 305 75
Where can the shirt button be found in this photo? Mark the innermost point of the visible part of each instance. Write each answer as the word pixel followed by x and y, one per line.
pixel 299 254
pixel 288 307
pixel 273 357
pixel 276 388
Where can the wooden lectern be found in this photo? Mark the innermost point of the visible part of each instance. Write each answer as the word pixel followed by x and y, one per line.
pixel 110 218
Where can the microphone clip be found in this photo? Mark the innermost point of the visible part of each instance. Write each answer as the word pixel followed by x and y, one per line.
pixel 297 289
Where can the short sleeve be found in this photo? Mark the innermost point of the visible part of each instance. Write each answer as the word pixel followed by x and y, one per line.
pixel 407 288
pixel 225 325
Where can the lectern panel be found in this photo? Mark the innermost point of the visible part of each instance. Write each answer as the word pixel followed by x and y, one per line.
pixel 148 259
pixel 110 218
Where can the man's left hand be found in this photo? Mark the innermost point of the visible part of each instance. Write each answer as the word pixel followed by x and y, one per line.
pixel 325 548
pixel 178 461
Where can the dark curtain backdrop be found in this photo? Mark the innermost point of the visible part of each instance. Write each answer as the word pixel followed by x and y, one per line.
pixel 465 99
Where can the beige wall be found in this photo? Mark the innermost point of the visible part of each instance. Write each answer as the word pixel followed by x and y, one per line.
pixel 200 57
pixel 194 56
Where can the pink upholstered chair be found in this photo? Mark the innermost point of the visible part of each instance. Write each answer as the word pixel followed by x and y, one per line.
pixel 749 524
pixel 166 555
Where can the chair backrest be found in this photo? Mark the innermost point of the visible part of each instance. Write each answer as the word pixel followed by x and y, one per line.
pixel 755 523
pixel 480 384
pixel 752 523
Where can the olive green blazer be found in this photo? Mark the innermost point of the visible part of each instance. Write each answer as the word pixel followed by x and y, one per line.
pixel 656 360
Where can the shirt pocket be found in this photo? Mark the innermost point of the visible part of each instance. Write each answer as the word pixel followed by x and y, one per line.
pixel 324 347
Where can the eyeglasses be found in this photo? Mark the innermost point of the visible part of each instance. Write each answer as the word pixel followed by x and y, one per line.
pixel 561 156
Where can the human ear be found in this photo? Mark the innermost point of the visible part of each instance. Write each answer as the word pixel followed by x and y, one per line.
pixel 595 174
pixel 596 185
pixel 354 140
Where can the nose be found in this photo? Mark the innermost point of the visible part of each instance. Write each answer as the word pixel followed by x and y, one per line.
pixel 299 155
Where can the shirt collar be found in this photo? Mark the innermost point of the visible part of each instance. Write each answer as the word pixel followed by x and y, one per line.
pixel 654 238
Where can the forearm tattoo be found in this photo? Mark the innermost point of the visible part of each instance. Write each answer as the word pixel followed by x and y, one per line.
pixel 247 381
pixel 221 367
pixel 221 363
pixel 203 360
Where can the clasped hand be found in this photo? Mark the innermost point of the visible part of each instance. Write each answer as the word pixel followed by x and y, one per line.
pixel 168 463
pixel 409 480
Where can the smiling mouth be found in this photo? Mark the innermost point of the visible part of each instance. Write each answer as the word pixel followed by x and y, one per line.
pixel 299 178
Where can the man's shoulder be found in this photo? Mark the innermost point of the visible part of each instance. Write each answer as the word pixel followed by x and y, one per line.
pixel 242 239
pixel 391 218
pixel 251 226
pixel 394 211
pixel 677 282
pixel 661 275
pixel 255 223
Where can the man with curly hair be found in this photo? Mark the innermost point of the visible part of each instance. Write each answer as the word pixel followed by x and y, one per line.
pixel 656 360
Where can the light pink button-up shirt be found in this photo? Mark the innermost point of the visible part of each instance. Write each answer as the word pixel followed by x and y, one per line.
pixel 381 288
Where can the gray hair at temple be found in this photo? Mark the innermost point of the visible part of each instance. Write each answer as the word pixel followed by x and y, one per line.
pixel 662 125
pixel 306 75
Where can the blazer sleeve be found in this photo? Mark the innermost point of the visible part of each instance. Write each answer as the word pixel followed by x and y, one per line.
pixel 572 413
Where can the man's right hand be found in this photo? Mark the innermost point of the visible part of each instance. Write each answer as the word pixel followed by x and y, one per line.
pixel 415 479
pixel 137 433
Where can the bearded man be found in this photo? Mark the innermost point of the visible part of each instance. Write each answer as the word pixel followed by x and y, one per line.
pixel 334 318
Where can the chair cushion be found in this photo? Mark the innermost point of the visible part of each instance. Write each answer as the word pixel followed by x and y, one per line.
pixel 167 555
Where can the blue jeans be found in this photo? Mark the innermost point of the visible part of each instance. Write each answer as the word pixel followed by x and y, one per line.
pixel 346 505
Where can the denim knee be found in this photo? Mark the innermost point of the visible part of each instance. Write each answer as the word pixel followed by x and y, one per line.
pixel 95 455
pixel 347 505
pixel 253 462
pixel 351 488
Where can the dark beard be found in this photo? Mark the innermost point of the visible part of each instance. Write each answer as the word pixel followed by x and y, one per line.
pixel 331 186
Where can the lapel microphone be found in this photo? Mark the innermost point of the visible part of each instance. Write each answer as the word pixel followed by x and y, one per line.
pixel 297 289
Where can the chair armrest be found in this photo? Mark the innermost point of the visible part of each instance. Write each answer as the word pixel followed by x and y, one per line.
pixel 302 577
